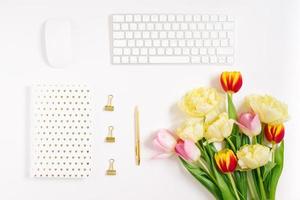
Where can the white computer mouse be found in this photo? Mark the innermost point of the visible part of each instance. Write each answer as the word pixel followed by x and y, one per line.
pixel 58 42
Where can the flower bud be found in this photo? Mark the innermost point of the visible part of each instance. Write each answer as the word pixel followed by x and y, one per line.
pixel 226 160
pixel 274 133
pixel 231 81
pixel 187 150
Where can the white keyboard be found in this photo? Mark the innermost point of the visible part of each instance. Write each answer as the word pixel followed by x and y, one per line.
pixel 172 39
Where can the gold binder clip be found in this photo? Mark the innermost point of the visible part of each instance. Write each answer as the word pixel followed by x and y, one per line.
pixel 109 106
pixel 110 138
pixel 111 171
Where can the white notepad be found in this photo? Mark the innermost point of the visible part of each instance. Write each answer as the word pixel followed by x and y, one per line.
pixel 61 131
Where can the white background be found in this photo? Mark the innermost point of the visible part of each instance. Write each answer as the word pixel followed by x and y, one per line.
pixel 266 53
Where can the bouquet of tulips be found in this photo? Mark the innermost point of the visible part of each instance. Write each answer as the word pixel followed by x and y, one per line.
pixel 235 156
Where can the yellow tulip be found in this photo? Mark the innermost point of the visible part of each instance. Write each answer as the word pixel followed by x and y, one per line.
pixel 253 156
pixel 219 129
pixel 203 102
pixel 191 129
pixel 269 109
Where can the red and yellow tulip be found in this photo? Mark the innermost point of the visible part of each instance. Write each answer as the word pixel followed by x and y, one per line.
pixel 226 160
pixel 274 133
pixel 231 81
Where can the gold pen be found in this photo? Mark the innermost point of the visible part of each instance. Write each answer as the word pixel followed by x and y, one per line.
pixel 137 136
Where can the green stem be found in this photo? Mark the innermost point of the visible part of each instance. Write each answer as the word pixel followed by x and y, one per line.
pixel 261 185
pixel 231 144
pixel 233 186
pixel 273 152
pixel 251 184
pixel 204 167
pixel 254 140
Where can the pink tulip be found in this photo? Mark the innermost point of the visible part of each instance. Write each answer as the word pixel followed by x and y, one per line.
pixel 164 142
pixel 187 150
pixel 249 124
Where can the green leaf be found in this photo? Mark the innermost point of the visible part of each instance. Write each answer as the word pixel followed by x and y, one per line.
pixel 277 170
pixel 267 169
pixel 241 182
pixel 203 178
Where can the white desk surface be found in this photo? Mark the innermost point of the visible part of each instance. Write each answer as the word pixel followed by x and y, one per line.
pixel 267 54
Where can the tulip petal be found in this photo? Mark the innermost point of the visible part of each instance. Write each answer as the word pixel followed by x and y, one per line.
pixel 166 139
pixel 191 150
pixel 179 149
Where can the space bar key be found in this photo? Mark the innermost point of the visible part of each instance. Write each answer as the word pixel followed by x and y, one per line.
pixel 168 59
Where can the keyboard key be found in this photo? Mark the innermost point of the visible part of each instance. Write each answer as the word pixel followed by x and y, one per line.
pixel 169 51
pixel 194 51
pixel 175 26
pixel 116 60
pixel 118 18
pixel 193 26
pixel 205 18
pixel 188 18
pixel 129 35
pixel 131 43
pixel 222 18
pixel 128 18
pixel 224 43
pixel 222 34
pixel 230 60
pixel 133 26
pixel 211 51
pixel 177 51
pixel 146 18
pixel 163 18
pixel 148 43
pixel 168 59
pixel 144 51
pixel 119 43
pixel 195 59
pixel 185 51
pixel 225 51
pixel 180 18
pixel 154 34
pixel 222 59
pixel 133 59
pixel 171 18
pixel 152 51
pixel 137 18
pixel 154 18
pixel 142 59
pixel 198 43
pixel 117 51
pixel 141 26
pixel 205 59
pixel 201 26
pixel 214 18
pixel 160 51
pixel 197 18
pixel 173 43
pixel 126 51
pixel 203 51
pixel 213 59
pixel 150 26
pixel 146 35
pixel 118 35
pixel 124 27
pixel 116 27
pixel 135 51
pixel 125 59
